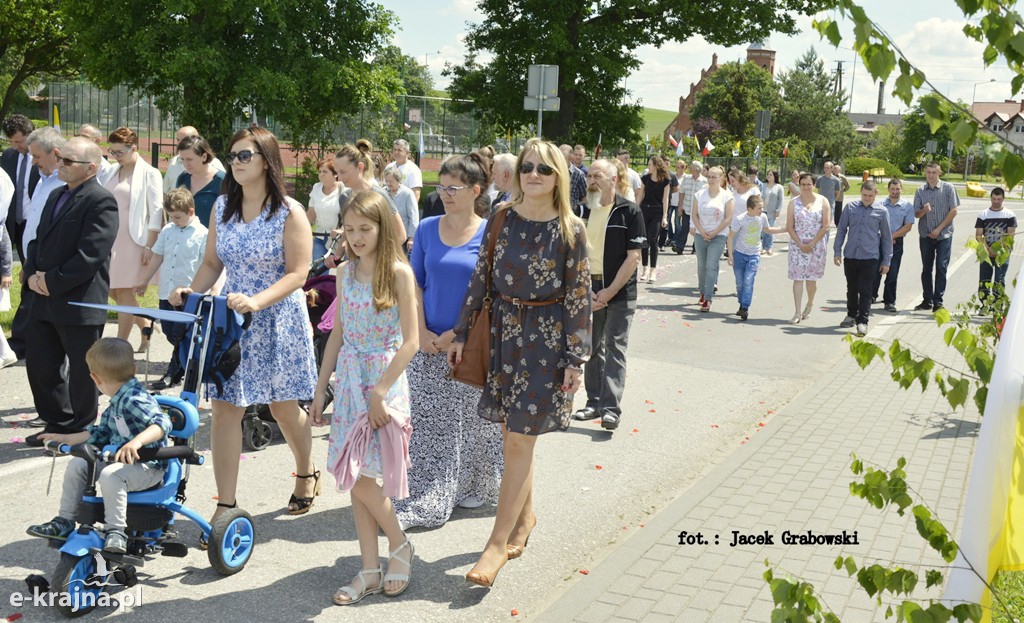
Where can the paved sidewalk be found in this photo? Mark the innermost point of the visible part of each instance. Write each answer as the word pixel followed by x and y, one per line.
pixel 794 476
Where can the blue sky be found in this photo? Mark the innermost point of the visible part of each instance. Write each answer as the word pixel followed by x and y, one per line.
pixel 433 32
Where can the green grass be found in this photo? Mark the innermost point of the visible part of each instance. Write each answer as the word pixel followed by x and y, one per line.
pixel 6 318
pixel 1010 585
pixel 655 121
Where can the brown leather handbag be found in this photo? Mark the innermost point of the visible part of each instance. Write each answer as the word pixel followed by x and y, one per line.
pixel 476 353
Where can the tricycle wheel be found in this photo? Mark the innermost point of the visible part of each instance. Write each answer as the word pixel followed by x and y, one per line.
pixel 76 578
pixel 231 541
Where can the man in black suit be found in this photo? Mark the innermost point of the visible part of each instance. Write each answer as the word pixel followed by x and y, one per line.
pixel 69 262
pixel 17 163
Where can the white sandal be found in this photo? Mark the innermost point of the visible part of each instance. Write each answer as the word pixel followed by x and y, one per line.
pixel 352 594
pixel 399 577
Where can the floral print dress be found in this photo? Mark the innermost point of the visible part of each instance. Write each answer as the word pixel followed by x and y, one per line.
pixel 532 345
pixel 807 223
pixel 277 350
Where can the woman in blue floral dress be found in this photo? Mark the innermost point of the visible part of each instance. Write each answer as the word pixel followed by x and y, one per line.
pixel 262 238
pixel 540 334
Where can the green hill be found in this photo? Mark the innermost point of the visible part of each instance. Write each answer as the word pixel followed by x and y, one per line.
pixel 656 120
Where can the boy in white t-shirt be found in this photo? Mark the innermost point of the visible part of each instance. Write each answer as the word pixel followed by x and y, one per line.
pixel 179 249
pixel 992 226
pixel 744 245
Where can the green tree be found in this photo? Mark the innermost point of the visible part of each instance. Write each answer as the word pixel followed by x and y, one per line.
pixel 593 44
pixel 917 130
pixel 733 95
pixel 811 109
pixel 34 45
pixel 888 143
pixel 302 62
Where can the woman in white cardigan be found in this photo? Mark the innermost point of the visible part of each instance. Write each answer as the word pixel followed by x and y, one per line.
pixel 138 189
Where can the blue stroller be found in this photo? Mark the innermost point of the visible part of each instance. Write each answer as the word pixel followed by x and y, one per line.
pixel 85 570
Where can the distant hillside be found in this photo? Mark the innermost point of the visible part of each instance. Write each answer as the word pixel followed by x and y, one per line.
pixel 657 120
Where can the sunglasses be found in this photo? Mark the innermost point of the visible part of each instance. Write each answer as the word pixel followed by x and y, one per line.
pixel 68 161
pixel 527 168
pixel 244 156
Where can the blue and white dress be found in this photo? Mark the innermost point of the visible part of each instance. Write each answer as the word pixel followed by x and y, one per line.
pixel 277 350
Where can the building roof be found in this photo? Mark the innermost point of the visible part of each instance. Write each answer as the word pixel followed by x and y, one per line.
pixel 984 110
pixel 870 119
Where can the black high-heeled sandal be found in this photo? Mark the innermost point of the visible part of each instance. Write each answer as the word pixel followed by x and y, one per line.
pixel 204 544
pixel 302 505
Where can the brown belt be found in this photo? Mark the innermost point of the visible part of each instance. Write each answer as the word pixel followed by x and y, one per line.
pixel 521 303
pixel 598 276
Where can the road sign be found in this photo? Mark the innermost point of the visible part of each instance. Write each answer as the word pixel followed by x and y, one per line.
pixel 535 103
pixel 541 91
pixel 762 123
pixel 930 147
pixel 414 115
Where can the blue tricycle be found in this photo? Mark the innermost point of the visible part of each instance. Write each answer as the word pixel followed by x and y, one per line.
pixel 85 570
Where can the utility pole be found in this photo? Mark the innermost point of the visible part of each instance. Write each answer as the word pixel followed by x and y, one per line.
pixel 838 82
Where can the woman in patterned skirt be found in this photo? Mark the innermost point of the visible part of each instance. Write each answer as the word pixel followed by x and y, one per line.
pixel 456 456
pixel 540 334
pixel 261 238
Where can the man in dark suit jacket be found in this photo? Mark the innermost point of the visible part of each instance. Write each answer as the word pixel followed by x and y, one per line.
pixel 17 163
pixel 68 262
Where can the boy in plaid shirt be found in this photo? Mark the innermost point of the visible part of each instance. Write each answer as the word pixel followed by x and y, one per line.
pixel 132 421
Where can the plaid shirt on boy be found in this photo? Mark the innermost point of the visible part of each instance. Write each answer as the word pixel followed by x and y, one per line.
pixel 131 411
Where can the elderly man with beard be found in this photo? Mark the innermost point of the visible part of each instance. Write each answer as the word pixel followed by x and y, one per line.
pixel 615 231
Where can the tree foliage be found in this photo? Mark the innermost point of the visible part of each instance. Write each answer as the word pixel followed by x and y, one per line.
pixel 809 108
pixel 593 44
pixel 733 95
pixel 918 130
pixel 303 62
pixel 35 43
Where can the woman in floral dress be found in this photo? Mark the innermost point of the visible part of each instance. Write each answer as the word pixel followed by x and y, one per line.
pixel 261 238
pixel 808 222
pixel 540 334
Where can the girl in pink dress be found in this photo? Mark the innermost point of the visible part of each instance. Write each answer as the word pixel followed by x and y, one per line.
pixel 374 338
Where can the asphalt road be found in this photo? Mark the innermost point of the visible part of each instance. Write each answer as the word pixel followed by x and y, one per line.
pixel 699 385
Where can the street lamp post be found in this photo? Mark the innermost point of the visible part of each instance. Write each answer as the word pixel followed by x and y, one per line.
pixel 974 92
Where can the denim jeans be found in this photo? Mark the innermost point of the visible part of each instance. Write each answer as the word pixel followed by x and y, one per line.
pixel 934 254
pixel 889 296
pixel 709 254
pixel 682 230
pixel 173 331
pixel 115 480
pixel 767 240
pixel 745 268
pixel 988 275
pixel 860 276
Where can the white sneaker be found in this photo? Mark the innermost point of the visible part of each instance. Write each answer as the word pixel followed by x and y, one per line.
pixel 470 501
pixel 862 329
pixel 8 361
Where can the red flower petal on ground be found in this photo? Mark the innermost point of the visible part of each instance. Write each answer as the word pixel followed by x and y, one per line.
pixel 653 411
pixel 636 430
pixel 714 426
pixel 515 612
pixel 584 572
pixel 598 467
pixel 761 424
pixel 13 617
pixel 770 412
pixel 649 402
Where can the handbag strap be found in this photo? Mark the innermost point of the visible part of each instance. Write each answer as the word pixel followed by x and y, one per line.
pixel 498 223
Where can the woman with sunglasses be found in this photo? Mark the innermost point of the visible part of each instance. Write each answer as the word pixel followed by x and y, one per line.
pixel 456 455
pixel 262 239
pixel 540 334
pixel 200 178
pixel 139 192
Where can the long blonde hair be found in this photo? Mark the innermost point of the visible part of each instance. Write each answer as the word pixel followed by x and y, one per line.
pixel 623 186
pixel 372 206
pixel 550 155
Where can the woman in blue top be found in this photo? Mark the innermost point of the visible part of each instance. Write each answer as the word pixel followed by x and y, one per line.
pixel 456 456
pixel 202 180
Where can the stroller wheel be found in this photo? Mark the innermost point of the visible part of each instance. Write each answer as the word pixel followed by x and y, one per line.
pixel 256 433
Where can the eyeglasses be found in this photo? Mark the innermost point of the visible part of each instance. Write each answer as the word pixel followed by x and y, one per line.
pixel 527 168
pixel 117 153
pixel 68 161
pixel 450 190
pixel 244 156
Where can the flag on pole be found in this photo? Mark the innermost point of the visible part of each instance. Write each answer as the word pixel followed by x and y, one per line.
pixel 679 148
pixel 785 150
pixel 991 537
pixel 56 118
pixel 672 141
pixel 421 139
pixel 597 150
pixel 736 148
pixel 708 146
pixel 648 144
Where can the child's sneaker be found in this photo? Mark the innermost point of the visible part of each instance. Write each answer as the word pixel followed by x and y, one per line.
pixel 56 528
pixel 116 542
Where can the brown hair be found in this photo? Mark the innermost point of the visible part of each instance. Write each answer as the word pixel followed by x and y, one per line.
pixel 124 135
pixel 358 154
pixel 267 147
pixel 474 170
pixel 327 162
pixel 179 200
pixel 111 359
pixel 199 147
pixel 660 167
pixel 373 206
